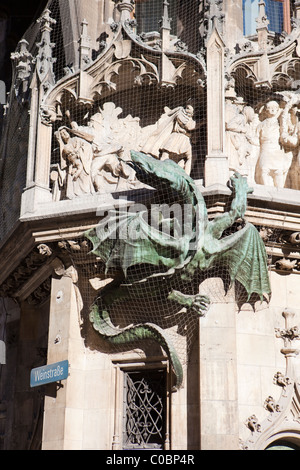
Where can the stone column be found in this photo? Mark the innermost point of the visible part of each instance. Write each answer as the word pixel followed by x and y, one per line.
pixel 219 426
pixel 233 10
pixel 289 334
pixel 64 407
pixel 216 165
pixel 41 118
pixel 37 189
pixel 297 9
pixel 286 16
pixel 126 8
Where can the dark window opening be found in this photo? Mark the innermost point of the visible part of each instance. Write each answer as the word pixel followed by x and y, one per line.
pixel 148 14
pixel 144 409
pixel 274 12
pixel 282 444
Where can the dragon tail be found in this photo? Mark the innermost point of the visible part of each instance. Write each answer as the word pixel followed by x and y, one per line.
pixel 102 323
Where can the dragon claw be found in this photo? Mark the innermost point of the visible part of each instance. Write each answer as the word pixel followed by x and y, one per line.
pixel 239 183
pixel 198 304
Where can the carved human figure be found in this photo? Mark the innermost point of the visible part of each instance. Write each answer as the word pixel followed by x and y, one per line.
pixel 273 162
pixel 108 171
pixel 172 137
pixel 290 139
pixel 235 132
pixel 75 165
pixel 251 144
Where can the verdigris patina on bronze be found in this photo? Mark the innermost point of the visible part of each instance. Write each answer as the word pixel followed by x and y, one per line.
pixel 171 255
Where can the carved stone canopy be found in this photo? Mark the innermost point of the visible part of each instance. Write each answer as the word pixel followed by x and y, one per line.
pixel 275 68
pixel 127 53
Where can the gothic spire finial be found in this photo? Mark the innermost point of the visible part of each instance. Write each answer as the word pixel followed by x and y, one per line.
pixel 126 7
pixel 166 20
pixel 262 20
pixel 84 46
pixel 262 26
pixel 44 59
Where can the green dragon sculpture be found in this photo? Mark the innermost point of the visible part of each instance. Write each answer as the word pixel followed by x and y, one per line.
pixel 171 254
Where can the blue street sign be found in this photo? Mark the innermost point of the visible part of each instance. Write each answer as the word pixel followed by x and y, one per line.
pixel 50 373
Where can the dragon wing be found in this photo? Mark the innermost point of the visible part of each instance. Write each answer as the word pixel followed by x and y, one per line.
pixel 122 239
pixel 243 254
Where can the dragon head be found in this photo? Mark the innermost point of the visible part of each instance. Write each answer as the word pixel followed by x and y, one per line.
pixel 150 170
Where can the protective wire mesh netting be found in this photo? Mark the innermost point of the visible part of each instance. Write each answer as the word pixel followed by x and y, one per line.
pixel 127 114
pixel 124 120
pixel 145 300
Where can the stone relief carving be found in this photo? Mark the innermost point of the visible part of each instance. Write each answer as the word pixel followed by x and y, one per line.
pixel 75 164
pixel 35 260
pixel 273 161
pixel 264 145
pixel 40 294
pixel 290 138
pixel 242 139
pixel 271 405
pixel 23 64
pixel 252 142
pixel 285 264
pixel 93 156
pixel 172 137
pixel 281 380
pixel 286 259
pixel 253 424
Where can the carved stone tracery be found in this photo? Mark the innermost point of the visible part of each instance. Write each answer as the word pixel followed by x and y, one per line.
pixel 31 280
pixel 126 60
pixel 258 63
pixel 284 414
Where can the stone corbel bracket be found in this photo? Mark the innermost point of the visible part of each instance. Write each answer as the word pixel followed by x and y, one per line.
pixel 31 280
pixel 283 421
pixel 283 248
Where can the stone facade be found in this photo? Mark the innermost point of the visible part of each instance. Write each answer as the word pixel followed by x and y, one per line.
pixel 91 83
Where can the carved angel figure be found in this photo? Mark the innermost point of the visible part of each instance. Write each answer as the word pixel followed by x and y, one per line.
pixel 75 163
pixel 172 137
